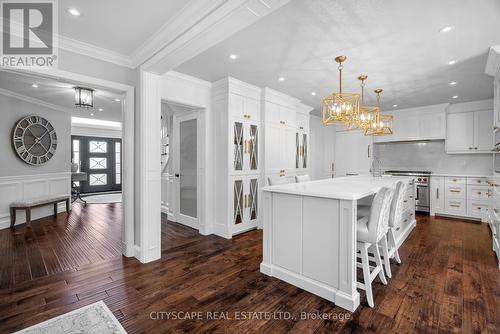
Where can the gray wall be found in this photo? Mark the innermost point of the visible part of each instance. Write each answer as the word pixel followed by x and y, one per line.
pixel 11 110
pixel 431 156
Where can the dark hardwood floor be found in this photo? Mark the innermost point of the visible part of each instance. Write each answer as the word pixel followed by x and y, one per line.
pixel 448 282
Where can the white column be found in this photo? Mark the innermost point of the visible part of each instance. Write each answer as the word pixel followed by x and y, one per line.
pixel 150 167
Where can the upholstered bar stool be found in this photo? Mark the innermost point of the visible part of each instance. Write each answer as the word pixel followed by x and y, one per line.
pixel 395 219
pixel 372 230
pixel 274 181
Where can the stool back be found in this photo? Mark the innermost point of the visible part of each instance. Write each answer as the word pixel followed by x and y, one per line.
pixel 397 206
pixel 302 178
pixel 379 214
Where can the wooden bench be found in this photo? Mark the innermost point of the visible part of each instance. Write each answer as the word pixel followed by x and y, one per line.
pixel 29 204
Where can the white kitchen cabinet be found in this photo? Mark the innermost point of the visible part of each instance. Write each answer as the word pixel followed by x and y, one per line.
pixel 415 124
pixel 496 102
pixel 437 194
pixel 238 149
pixel 244 200
pixel 243 107
pixel 353 153
pixel 280 148
pixel 469 132
pixel 245 148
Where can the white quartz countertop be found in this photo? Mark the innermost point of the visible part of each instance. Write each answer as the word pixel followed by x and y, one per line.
pixel 344 188
pixel 461 175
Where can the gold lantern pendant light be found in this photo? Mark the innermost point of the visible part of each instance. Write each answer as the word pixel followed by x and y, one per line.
pixel 366 112
pixel 341 108
pixel 381 124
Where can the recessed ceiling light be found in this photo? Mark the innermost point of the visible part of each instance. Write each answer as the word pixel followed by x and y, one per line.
pixel 73 12
pixel 100 109
pixel 452 62
pixel 447 29
pixel 281 79
pixel 92 114
pixel 394 105
pixel 453 83
pixel 34 85
pixel 117 100
pixel 454 97
pixel 233 56
pixel 313 93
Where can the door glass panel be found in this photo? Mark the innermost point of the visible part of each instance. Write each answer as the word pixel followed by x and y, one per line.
pixel 253 146
pixel 238 146
pixel 98 163
pixel 98 146
pixel 118 170
pixel 297 150
pixel 98 179
pixel 253 199
pixel 188 168
pixel 304 151
pixel 238 202
pixel 76 153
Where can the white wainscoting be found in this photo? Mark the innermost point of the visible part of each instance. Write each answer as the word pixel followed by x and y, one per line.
pixel 14 188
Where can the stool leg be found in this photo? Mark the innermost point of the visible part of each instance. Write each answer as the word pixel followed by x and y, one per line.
pixel 67 206
pixel 12 217
pixel 385 251
pixel 55 209
pixel 366 275
pixel 378 261
pixel 395 245
pixel 28 217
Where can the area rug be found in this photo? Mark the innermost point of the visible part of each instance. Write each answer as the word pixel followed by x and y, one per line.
pixel 102 199
pixel 91 319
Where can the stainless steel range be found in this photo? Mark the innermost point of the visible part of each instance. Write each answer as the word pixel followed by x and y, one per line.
pixel 422 189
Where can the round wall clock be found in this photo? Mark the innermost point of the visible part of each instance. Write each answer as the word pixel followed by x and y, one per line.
pixel 34 139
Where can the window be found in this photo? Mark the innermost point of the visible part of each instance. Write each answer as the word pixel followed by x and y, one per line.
pixel 98 147
pixel 98 179
pixel 98 163
pixel 76 153
pixel 118 170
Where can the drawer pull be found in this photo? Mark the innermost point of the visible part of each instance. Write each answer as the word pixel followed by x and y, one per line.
pixel 455 191
pixel 405 201
pixel 454 205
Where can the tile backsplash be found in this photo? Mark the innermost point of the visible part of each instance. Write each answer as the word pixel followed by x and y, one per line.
pixel 431 156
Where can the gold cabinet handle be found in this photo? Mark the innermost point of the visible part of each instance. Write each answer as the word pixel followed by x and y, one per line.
pixel 454 205
pixel 244 146
pixel 454 191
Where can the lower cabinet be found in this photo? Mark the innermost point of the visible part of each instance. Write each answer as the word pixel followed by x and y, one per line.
pixel 466 197
pixel 244 203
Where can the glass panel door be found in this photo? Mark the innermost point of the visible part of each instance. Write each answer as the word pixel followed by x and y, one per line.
pixel 188 168
pixel 253 147
pixel 100 158
pixel 238 202
pixel 238 146
pixel 252 199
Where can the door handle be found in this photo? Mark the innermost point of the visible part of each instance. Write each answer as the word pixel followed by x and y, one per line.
pixel 437 193
pixel 368 151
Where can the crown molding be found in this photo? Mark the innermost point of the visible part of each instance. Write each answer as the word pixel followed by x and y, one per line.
pixel 493 62
pixel 189 78
pixel 90 50
pixel 33 100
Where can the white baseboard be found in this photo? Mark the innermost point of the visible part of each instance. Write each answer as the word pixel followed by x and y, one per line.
pixel 41 212
pixel 222 231
pixel 332 294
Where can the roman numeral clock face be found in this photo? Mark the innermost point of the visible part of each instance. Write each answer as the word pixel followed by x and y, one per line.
pixel 34 140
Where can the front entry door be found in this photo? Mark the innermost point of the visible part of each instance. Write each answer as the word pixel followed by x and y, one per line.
pixel 186 169
pixel 100 158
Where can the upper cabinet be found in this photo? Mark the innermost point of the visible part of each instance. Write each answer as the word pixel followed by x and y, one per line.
pixel 470 128
pixel 417 124
pixel 245 108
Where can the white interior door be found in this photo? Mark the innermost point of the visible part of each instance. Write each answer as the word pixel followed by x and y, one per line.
pixel 352 153
pixel 186 165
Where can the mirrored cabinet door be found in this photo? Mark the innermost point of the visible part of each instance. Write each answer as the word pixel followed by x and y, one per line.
pixel 253 147
pixel 238 202
pixel 252 198
pixel 238 149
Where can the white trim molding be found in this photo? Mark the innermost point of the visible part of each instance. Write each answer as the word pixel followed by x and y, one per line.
pixel 22 187
pixel 33 100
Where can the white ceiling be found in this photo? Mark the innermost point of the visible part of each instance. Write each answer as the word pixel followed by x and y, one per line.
pixel 396 42
pixel 118 25
pixel 62 95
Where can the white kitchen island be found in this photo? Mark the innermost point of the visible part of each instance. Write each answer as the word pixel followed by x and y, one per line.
pixel 310 233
